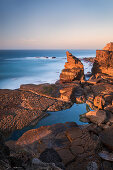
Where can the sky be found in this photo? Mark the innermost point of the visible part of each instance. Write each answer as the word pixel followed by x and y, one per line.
pixel 55 24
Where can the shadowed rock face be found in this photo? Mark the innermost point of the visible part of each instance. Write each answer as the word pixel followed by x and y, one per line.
pixel 104 60
pixel 73 69
pixel 107 138
pixel 74 145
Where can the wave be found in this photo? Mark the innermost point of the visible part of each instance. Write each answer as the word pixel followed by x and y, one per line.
pixel 48 58
pixel 33 58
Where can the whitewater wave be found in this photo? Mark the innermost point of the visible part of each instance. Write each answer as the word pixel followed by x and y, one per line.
pixel 47 58
pixel 34 58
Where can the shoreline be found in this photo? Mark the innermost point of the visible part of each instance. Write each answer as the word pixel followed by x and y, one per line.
pixel 90 144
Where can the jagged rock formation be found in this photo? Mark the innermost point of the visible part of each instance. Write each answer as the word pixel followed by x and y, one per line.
pixel 73 69
pixel 104 60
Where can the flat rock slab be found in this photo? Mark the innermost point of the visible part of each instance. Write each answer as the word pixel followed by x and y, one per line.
pixel 20 108
pixel 102 88
pixel 49 90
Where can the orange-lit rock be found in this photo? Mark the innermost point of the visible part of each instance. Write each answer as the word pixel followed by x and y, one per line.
pixel 73 69
pixel 99 102
pixel 104 60
pixel 109 47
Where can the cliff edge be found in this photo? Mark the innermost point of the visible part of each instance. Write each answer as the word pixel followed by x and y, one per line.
pixel 104 60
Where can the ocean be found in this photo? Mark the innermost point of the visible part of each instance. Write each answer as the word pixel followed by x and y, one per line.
pixel 40 66
pixel 35 66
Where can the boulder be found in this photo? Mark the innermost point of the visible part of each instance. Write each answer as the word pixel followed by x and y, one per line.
pixel 73 69
pixel 96 117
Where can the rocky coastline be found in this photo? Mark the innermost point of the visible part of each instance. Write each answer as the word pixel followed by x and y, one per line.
pixel 75 147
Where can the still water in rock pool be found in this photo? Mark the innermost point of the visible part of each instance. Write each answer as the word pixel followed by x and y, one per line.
pixel 69 115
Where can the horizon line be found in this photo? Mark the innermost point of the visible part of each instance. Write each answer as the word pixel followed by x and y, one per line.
pixel 52 49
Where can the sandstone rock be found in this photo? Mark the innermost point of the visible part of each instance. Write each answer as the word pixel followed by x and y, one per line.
pixel 109 47
pixel 59 105
pixel 97 117
pixel 67 93
pixel 92 78
pixel 94 81
pixel 20 108
pixel 80 99
pixel 90 104
pixel 106 137
pixel 90 97
pixel 73 69
pixel 102 89
pixel 48 90
pixel 104 60
pixel 99 102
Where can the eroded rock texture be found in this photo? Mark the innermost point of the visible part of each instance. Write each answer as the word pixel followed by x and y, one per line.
pixel 22 107
pixel 73 69
pixel 104 60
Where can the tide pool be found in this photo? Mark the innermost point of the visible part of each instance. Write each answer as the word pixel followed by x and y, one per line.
pixel 69 115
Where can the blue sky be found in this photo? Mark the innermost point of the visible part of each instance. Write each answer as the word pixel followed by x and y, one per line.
pixel 55 24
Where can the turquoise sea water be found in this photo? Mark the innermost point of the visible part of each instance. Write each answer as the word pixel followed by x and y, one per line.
pixel 32 66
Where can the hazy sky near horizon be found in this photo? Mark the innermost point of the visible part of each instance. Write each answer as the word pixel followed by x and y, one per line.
pixel 55 24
